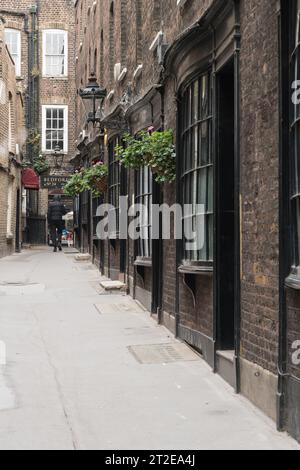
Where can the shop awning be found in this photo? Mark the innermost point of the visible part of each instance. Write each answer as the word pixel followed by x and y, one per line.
pixel 30 180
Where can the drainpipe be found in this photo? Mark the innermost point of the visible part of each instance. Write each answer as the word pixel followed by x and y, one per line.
pixel 33 64
pixel 283 197
pixel 238 199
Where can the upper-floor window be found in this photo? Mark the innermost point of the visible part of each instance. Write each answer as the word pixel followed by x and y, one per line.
pixel 55 53
pixel 13 42
pixel 55 128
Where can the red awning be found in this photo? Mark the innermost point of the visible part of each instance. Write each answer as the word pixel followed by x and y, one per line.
pixel 30 179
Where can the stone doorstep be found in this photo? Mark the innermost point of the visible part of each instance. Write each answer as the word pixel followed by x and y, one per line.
pixel 83 258
pixel 109 285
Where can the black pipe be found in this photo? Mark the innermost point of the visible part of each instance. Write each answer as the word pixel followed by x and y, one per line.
pixel 216 186
pixel 237 203
pixel 284 216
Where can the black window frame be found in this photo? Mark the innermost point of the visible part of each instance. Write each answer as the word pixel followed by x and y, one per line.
pixel 114 181
pixel 294 135
pixel 193 120
pixel 144 193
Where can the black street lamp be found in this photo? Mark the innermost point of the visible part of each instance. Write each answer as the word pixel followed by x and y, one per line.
pixel 91 94
pixel 58 157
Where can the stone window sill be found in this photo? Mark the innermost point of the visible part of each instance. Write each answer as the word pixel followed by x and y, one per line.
pixel 146 262
pixel 205 269
pixel 293 280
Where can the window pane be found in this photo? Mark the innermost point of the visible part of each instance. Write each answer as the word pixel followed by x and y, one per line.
pixel 204 143
pixel 296 131
pixel 210 189
pixel 188 155
pixel 205 97
pixel 48 135
pixel 211 237
pixel 202 187
pixel 195 147
pixel 195 101
pixel 189 105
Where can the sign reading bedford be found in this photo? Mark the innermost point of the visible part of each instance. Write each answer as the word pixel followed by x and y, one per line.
pixel 54 182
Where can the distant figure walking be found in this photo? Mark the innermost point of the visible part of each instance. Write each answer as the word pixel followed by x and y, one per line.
pixel 56 212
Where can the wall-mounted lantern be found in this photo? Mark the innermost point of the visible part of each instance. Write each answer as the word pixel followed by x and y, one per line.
pixel 93 96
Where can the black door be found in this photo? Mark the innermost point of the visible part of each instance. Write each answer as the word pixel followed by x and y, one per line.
pixel 18 220
pixel 157 258
pixel 36 226
pixel 225 210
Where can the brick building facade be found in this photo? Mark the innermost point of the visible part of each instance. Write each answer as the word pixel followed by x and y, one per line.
pixel 12 137
pixel 41 38
pixel 238 302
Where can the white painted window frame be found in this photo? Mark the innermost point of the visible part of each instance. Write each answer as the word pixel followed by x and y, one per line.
pixel 66 126
pixel 56 31
pixel 19 53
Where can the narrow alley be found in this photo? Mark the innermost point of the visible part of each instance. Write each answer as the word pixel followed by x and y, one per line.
pixel 88 370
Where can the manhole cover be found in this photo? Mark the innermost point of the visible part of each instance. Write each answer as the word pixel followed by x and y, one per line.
pixel 85 267
pixel 120 307
pixel 14 284
pixel 20 288
pixel 163 353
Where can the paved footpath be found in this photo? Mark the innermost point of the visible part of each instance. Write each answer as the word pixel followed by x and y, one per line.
pixel 73 378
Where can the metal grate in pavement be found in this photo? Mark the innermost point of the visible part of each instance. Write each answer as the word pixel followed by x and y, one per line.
pixel 21 288
pixel 163 353
pixel 125 306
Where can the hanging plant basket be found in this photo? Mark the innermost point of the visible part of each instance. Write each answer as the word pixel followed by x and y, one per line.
pixel 74 187
pixel 155 150
pixel 39 164
pixel 94 179
pixel 99 185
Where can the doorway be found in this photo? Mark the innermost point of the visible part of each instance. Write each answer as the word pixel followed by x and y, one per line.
pixel 225 212
pixel 18 222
